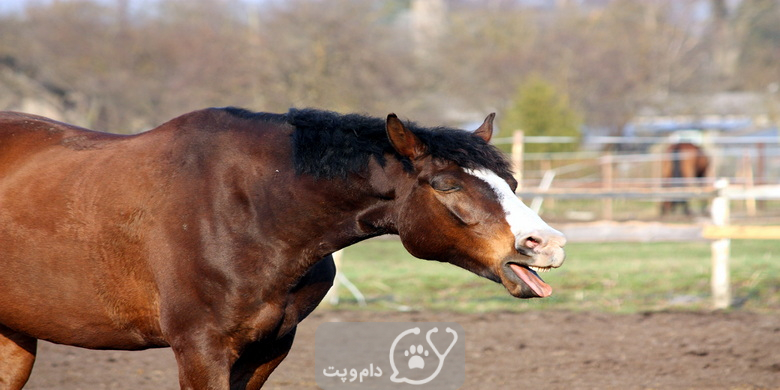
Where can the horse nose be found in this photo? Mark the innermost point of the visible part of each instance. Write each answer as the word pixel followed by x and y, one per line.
pixel 540 239
pixel 540 242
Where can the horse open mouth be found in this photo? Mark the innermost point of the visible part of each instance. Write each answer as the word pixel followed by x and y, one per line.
pixel 529 277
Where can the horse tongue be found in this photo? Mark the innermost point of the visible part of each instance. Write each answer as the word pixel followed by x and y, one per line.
pixel 533 280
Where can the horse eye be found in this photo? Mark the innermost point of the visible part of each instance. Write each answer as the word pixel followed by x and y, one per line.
pixel 445 185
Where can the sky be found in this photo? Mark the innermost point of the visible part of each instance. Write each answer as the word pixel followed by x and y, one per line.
pixel 18 5
pixel 10 5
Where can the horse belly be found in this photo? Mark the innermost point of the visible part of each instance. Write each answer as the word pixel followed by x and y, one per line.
pixel 65 276
pixel 74 302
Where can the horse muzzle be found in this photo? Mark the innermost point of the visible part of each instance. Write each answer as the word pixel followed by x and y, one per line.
pixel 544 249
pixel 539 251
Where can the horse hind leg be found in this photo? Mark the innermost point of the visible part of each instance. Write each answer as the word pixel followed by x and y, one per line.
pixel 666 207
pixel 686 207
pixel 17 355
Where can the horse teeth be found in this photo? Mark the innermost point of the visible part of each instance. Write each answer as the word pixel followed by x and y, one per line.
pixel 539 269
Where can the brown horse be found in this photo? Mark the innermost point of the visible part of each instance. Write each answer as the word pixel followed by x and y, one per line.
pixel 212 233
pixel 687 164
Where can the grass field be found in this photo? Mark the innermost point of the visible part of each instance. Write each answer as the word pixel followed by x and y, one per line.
pixel 615 277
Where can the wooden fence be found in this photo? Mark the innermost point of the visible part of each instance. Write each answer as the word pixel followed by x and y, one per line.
pixel 748 161
pixel 719 230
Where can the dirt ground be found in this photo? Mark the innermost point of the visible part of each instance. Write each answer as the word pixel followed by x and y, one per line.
pixel 533 350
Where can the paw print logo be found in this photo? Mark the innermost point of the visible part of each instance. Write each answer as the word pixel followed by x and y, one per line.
pixel 416 361
pixel 415 355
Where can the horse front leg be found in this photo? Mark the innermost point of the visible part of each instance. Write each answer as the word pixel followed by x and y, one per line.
pixel 261 358
pixel 208 354
pixel 258 361
pixel 203 360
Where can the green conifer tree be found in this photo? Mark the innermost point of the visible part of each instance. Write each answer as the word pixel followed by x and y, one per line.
pixel 540 110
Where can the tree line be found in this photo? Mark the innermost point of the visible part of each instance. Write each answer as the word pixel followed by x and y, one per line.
pixel 126 65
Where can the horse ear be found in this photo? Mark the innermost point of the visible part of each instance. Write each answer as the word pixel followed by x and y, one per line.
pixel 403 140
pixel 485 131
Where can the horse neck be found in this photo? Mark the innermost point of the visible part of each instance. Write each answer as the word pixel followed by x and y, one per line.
pixel 354 209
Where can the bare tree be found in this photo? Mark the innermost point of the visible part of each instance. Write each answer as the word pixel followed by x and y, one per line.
pixel 126 68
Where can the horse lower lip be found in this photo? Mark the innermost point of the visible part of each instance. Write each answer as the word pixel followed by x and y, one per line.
pixel 531 279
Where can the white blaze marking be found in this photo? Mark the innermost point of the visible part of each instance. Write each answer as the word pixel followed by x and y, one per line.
pixel 521 219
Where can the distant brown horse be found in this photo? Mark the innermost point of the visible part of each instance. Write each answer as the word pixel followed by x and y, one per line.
pixel 686 164
pixel 212 233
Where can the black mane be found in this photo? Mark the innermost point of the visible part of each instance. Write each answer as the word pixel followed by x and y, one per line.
pixel 327 144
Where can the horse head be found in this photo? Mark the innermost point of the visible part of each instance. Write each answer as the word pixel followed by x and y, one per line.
pixel 471 217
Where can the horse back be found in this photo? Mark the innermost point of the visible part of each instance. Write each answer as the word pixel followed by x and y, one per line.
pixel 24 135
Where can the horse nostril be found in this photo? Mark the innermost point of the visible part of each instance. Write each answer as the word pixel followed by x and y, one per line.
pixel 537 240
pixel 532 242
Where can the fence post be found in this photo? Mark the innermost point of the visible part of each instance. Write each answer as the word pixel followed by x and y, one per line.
pixel 747 175
pixel 517 156
pixel 606 183
pixel 549 175
pixel 721 281
pixel 332 296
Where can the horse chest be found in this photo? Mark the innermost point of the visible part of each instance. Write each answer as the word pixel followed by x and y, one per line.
pixel 287 306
